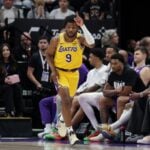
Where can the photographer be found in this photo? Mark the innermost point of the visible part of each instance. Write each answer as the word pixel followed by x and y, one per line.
pixel 39 74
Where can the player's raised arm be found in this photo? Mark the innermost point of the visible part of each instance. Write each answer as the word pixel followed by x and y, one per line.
pixel 88 39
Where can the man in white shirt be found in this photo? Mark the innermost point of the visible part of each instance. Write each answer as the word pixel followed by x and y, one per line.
pixel 96 79
pixel 10 12
pixel 62 12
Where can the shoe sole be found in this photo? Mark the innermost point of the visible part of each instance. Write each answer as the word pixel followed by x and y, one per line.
pixel 76 142
pixel 143 142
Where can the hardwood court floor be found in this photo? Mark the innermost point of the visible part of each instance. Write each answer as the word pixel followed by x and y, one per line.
pixel 42 145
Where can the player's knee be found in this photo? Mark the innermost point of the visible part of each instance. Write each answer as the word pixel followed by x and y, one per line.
pixel 63 92
pixel 66 102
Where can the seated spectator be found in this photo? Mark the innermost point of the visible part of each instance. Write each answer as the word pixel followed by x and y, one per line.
pixel 91 100
pixel 38 12
pixel 140 85
pixel 50 4
pixel 120 83
pixel 110 38
pixel 25 48
pixel 93 10
pixel 27 4
pixel 9 83
pixel 8 11
pixel 136 122
pixel 95 81
pixel 22 53
pixel 131 44
pixel 77 4
pixel 124 53
pixel 62 12
pixel 18 3
pixel 146 122
pixel 145 42
pixel 48 111
pixel 23 3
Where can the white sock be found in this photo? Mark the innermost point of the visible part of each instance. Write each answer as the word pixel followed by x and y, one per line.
pixel 47 127
pixel 58 104
pixel 61 118
pixel 123 119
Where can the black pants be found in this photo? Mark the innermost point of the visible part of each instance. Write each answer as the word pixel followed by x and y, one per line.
pixel 146 121
pixel 12 96
pixel 136 120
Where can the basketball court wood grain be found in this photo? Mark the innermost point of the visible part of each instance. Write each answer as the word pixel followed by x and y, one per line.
pixel 41 145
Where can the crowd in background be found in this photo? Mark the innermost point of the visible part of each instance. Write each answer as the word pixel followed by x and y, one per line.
pixel 133 64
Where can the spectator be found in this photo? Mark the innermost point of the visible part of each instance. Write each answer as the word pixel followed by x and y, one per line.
pixel 24 49
pixel 62 12
pixel 135 125
pixel 140 85
pixel 48 111
pixel 22 53
pixel 10 87
pixel 8 11
pixel 145 42
pixel 27 4
pixel 90 102
pixel 39 74
pixel 93 9
pixel 38 12
pixel 131 44
pixel 146 122
pixel 109 51
pixel 124 53
pixel 120 83
pixel 110 38
pixel 77 4
pixel 50 4
pixel 94 84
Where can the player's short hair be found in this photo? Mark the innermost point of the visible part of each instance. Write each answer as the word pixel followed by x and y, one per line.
pixel 69 19
pixel 118 57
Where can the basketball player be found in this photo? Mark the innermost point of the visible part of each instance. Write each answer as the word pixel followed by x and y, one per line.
pixel 65 57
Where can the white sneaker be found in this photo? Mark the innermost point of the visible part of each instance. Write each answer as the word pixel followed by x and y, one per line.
pixel 73 138
pixel 41 134
pixel 145 140
pixel 97 138
pixel 62 130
